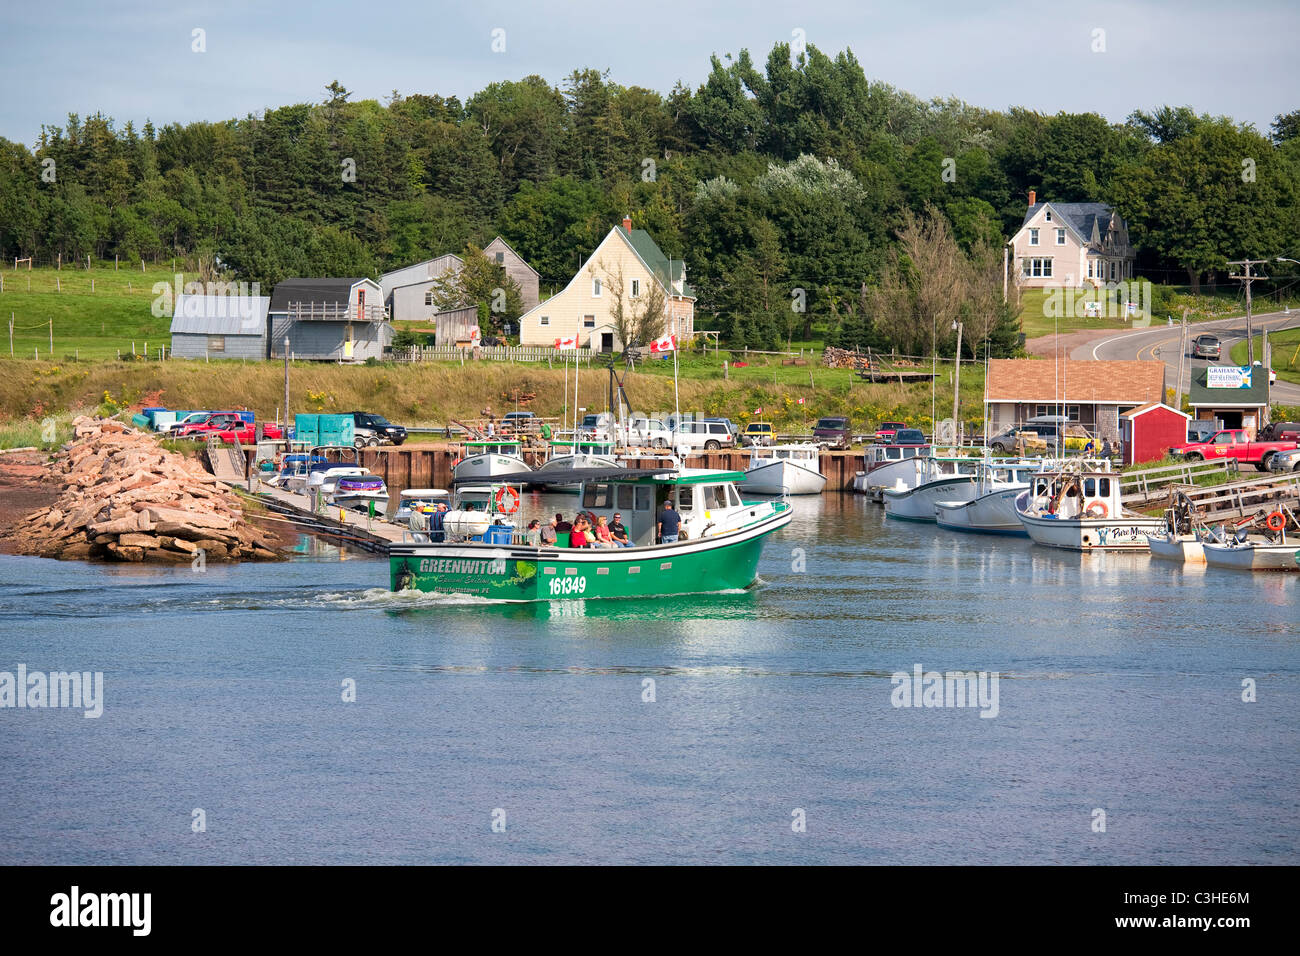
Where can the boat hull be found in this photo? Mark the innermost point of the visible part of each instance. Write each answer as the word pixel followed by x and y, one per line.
pixel 783 478
pixel 903 474
pixel 922 503
pixel 488 466
pixel 992 513
pixel 1181 549
pixel 521 574
pixel 1254 557
pixel 1092 534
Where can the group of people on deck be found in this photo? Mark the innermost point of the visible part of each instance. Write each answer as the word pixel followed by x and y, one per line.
pixel 582 533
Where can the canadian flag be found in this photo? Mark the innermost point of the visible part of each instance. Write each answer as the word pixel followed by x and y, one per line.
pixel 758 411
pixel 667 344
pixel 801 401
pixel 567 345
pixel 475 334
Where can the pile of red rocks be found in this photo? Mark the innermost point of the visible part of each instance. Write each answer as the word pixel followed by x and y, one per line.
pixel 126 499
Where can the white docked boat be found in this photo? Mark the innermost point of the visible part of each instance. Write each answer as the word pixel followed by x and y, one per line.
pixel 785 470
pixel 1254 555
pixel 1081 511
pixel 324 481
pixel 888 465
pixel 993 509
pixel 1183 535
pixel 945 479
pixel 361 492
pixel 568 455
pixel 412 500
pixel 484 460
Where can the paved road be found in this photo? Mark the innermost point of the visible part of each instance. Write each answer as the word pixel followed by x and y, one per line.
pixel 1161 342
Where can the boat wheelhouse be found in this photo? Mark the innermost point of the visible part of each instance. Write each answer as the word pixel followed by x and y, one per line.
pixel 943 479
pixel 1081 510
pixel 793 469
pixel 567 455
pixel 483 460
pixel 483 552
pixel 992 510
pixel 413 500
pixel 887 465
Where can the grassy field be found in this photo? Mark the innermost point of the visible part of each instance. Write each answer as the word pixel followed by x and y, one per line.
pixel 1286 353
pixel 1223 303
pixel 435 393
pixel 88 324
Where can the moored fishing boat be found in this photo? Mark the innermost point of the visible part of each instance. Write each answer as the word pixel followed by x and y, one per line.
pixel 362 492
pixel 1182 537
pixel 944 479
pixel 1081 511
pixel 992 510
pixel 793 469
pixel 567 455
pixel 484 460
pixel 1253 555
pixel 719 549
pixel 888 465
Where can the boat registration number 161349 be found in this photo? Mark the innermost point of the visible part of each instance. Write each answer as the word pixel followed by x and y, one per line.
pixel 568 585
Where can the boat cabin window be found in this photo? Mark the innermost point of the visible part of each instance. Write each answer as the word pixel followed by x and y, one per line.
pixel 644 498
pixel 686 499
pixel 596 496
pixel 625 494
pixel 711 501
pixel 734 496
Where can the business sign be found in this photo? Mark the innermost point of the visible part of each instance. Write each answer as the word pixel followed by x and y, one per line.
pixel 1227 376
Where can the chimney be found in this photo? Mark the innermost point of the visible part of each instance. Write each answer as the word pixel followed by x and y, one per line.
pixel 1032 196
pixel 627 224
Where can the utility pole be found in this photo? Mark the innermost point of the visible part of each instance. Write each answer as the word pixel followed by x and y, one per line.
pixel 956 388
pixel 1246 278
pixel 1182 357
pixel 286 385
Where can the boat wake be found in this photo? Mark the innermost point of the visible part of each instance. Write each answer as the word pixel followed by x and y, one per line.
pixel 384 599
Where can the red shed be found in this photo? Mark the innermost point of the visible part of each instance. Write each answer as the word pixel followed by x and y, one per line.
pixel 1149 431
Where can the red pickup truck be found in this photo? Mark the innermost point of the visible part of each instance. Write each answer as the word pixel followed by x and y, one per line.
pixel 1232 443
pixel 230 428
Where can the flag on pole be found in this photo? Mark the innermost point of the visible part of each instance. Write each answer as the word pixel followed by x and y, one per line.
pixel 801 401
pixel 474 335
pixel 567 345
pixel 758 411
pixel 666 344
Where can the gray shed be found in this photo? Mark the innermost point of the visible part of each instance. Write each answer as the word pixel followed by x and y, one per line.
pixel 337 320
pixel 220 326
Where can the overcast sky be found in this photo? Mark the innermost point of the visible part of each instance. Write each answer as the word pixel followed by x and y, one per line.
pixel 133 60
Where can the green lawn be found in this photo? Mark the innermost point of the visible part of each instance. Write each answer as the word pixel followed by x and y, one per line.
pixel 88 323
pixel 1223 303
pixel 1286 353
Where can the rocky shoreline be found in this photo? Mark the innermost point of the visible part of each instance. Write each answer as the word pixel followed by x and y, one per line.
pixel 121 497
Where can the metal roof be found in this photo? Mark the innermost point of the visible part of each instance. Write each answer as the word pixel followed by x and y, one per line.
pixel 220 314
pixel 318 291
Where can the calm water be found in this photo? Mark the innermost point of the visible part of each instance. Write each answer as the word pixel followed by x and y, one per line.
pixel 1120 689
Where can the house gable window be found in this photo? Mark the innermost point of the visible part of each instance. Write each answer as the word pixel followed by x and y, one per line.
pixel 544 320
pixel 1033 237
pixel 588 321
pixel 636 288
pixel 428 298
pixel 501 258
pixel 1047 216
pixel 1060 237
pixel 595 288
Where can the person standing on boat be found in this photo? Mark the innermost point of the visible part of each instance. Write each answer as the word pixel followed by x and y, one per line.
pixel 670 523
pixel 618 532
pixel 1106 450
pixel 435 523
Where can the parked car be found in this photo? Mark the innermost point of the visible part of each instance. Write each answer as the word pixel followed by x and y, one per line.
pixel 1280 431
pixel 1206 346
pixel 230 427
pixel 758 433
pixel 193 418
pixel 833 431
pixel 518 423
pixel 1272 375
pixel 373 429
pixel 647 432
pixel 701 434
pixel 909 436
pixel 1233 443
pixel 887 430
pixel 1285 461
pixel 731 426
pixel 1005 440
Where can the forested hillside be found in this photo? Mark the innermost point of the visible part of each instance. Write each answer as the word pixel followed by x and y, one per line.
pixel 792 176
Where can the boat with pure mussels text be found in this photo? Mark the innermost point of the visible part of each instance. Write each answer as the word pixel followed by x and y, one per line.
pixel 1081 511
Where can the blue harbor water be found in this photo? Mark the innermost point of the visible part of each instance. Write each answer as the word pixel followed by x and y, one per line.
pixel 1120 689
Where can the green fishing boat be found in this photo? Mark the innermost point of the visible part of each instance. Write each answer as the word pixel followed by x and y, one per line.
pixel 483 553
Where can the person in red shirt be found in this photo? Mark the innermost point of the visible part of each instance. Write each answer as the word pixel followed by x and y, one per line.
pixel 578 536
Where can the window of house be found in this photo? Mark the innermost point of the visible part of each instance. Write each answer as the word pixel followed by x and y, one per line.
pixel 1033 237
pixel 1089 268
pixel 216 343
pixel 636 288
pixel 428 298
pixel 1112 270
pixel 1037 268
pixel 595 288
pixel 1060 237
pixel 1047 216
pixel 588 321
pixel 501 258
pixel 544 320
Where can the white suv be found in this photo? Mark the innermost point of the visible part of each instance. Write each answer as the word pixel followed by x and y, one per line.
pixel 707 435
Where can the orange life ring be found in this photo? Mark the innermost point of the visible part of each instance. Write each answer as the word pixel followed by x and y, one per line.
pixel 1276 521
pixel 1096 509
pixel 505 492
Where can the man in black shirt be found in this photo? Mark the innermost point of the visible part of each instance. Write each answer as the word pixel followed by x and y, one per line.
pixel 618 532
pixel 669 524
pixel 562 526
